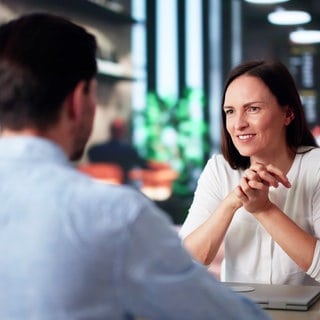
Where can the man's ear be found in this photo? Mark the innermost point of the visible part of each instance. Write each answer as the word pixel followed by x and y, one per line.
pixel 289 116
pixel 75 100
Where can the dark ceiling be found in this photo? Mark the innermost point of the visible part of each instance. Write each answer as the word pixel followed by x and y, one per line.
pixel 257 13
pixel 263 39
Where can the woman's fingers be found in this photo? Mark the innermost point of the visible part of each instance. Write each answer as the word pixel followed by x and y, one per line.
pixel 261 176
pixel 276 172
pixel 257 185
pixel 240 194
pixel 254 186
pixel 268 175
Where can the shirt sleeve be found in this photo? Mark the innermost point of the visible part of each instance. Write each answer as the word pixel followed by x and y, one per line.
pixel 161 281
pixel 314 270
pixel 207 197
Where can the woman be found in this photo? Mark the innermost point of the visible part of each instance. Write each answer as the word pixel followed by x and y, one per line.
pixel 262 195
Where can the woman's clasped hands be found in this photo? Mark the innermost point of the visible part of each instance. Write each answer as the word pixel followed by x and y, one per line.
pixel 253 189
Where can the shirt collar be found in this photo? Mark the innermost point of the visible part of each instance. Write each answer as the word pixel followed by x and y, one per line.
pixel 33 148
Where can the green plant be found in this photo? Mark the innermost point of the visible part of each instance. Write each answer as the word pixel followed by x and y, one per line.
pixel 173 131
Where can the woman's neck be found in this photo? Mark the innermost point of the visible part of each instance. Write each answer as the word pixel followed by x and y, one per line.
pixel 282 160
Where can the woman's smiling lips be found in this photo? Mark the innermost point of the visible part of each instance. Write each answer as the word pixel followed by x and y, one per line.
pixel 245 137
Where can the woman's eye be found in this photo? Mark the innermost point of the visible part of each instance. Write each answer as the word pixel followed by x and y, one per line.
pixel 228 111
pixel 253 109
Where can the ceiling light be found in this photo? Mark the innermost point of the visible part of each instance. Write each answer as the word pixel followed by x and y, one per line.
pixel 305 36
pixel 289 17
pixel 266 1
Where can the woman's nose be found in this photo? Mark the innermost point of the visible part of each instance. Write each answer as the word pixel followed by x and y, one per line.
pixel 241 121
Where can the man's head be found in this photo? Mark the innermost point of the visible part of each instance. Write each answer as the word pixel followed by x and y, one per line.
pixel 42 60
pixel 118 129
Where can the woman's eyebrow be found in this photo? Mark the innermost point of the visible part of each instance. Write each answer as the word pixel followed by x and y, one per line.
pixel 244 105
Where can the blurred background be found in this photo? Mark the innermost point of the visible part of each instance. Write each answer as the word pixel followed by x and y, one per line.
pixel 162 64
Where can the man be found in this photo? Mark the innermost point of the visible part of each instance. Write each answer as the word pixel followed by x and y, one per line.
pixel 72 248
pixel 117 150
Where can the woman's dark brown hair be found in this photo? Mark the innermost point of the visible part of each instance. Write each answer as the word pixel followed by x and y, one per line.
pixel 281 84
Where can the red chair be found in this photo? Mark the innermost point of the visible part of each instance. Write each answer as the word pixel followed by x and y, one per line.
pixel 156 182
pixel 104 172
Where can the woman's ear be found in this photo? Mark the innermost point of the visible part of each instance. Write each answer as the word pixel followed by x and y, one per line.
pixel 289 116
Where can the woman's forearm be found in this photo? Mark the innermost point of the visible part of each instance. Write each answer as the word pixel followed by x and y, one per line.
pixel 296 242
pixel 204 242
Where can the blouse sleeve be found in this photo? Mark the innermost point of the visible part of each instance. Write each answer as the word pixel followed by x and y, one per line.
pixel 314 270
pixel 207 196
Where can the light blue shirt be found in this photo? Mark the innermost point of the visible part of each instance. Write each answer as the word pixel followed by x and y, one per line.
pixel 72 248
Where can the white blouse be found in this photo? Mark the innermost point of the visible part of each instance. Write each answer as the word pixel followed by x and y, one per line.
pixel 250 253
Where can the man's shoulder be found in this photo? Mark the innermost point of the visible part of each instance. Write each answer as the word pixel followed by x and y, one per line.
pixel 104 206
pixel 107 194
pixel 98 146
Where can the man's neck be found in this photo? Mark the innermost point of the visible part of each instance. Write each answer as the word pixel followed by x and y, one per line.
pixel 23 132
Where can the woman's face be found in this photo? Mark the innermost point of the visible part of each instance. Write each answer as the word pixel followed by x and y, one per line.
pixel 254 119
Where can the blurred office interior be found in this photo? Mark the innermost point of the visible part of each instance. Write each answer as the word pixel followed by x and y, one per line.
pixel 162 64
